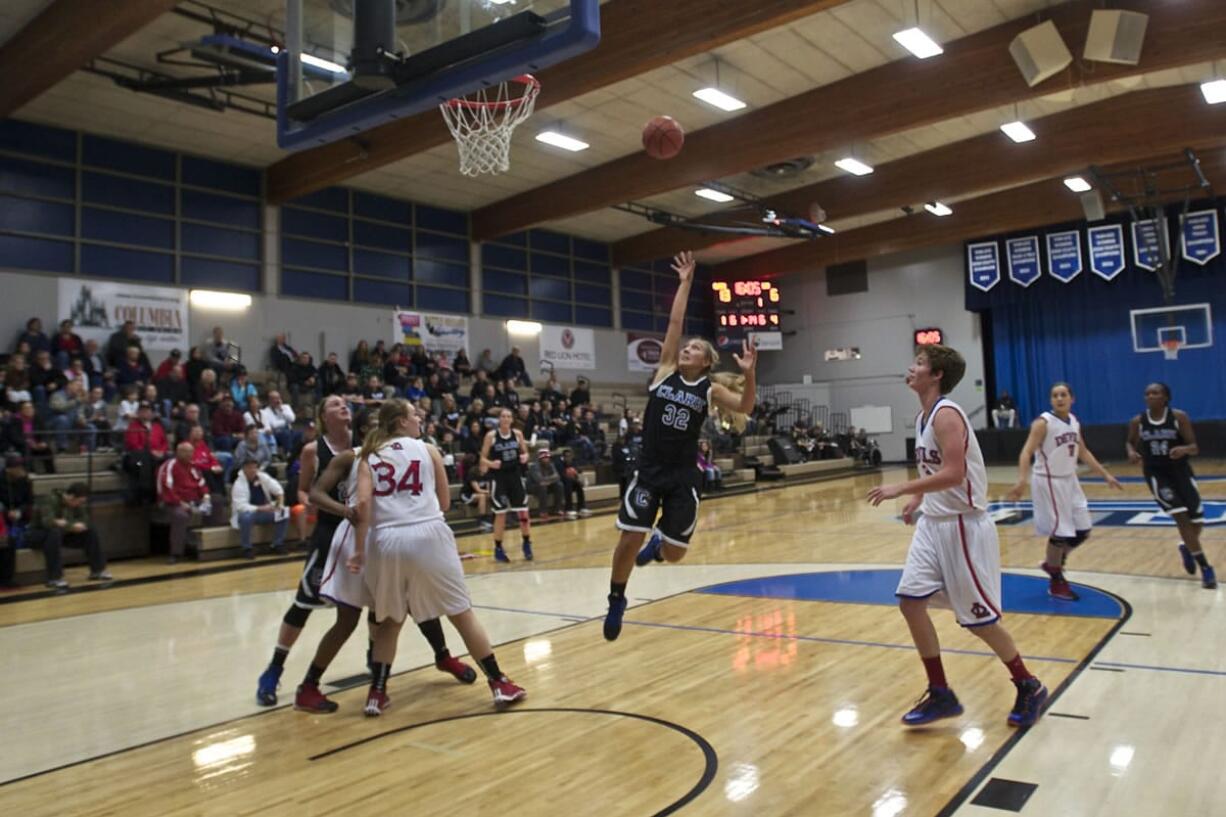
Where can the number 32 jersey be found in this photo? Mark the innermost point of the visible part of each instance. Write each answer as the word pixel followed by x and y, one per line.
pixel 672 422
pixel 404 492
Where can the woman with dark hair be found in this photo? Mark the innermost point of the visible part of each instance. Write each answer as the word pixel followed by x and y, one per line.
pixel 360 357
pixel 1161 438
pixel 194 367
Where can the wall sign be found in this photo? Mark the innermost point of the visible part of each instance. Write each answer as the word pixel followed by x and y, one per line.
pixel 983 263
pixel 1064 255
pixel 1106 250
pixel 1023 255
pixel 1199 238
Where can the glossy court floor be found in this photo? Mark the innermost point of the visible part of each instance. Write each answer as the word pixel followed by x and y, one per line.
pixel 763 676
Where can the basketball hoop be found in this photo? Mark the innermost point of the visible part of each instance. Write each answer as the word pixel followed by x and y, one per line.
pixel 483 122
pixel 1170 348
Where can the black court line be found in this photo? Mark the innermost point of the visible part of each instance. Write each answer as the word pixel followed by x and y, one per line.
pixel 1138 635
pixel 984 771
pixel 710 757
pixel 1106 669
pixel 1068 715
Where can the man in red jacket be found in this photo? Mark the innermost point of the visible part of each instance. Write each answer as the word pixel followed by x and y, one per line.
pixel 146 435
pixel 227 425
pixel 182 489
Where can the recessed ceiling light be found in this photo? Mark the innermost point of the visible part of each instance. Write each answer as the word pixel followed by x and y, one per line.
pixel 561 140
pixel 853 166
pixel 1018 131
pixel 713 195
pixel 938 209
pixel 1215 91
pixel 319 62
pixel 825 229
pixel 717 98
pixel 918 43
pixel 1077 184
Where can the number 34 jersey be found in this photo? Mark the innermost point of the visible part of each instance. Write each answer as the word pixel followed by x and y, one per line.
pixel 1057 457
pixel 672 422
pixel 404 492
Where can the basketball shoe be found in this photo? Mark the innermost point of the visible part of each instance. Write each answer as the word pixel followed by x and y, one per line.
pixel 652 551
pixel 527 551
pixel 613 618
pixel 1189 562
pixel 266 689
pixel 500 555
pixel 377 703
pixel 1208 578
pixel 1031 696
pixel 1058 587
pixel 505 692
pixel 457 668
pixel 933 706
pixel 308 698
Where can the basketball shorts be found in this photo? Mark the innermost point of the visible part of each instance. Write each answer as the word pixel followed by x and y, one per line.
pixel 339 586
pixel 507 492
pixel 1177 492
pixel 415 567
pixel 1060 508
pixel 672 493
pixel 313 570
pixel 956 561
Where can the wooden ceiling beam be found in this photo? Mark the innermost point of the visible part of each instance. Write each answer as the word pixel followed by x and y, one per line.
pixel 975 73
pixel 1120 129
pixel 636 36
pixel 62 38
pixel 1030 206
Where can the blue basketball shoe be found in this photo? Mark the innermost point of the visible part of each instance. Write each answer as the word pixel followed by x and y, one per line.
pixel 935 705
pixel 500 555
pixel 1208 578
pixel 613 618
pixel 1031 696
pixel 266 691
pixel 652 551
pixel 1189 562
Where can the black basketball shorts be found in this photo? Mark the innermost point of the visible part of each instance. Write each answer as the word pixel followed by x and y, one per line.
pixel 507 492
pixel 313 569
pixel 672 493
pixel 1176 492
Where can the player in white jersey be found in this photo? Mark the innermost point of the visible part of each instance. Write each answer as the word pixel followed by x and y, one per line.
pixel 413 562
pixel 1061 514
pixel 954 554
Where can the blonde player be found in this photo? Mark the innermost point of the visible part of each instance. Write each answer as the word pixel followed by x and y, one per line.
pixel 1055 446
pixel 954 551
pixel 413 560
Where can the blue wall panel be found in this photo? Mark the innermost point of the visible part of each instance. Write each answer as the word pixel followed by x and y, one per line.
pixel 593 273
pixel 382 265
pixel 442 247
pixel 444 221
pixel 382 208
pixel 135 265
pixel 543 264
pixel 19 252
pixel 220 241
pixel 593 295
pixel 314 285
pixel 436 272
pixel 32 216
pixel 42 140
pixel 127 228
pixel 508 282
pixel 549 241
pixel 591 250
pixel 330 198
pixel 220 176
pixel 369 234
pixel 213 274
pixel 493 255
pixel 444 300
pixel 551 312
pixel 37 178
pixel 127 157
pixel 635 279
pixel 385 293
pixel 552 289
pixel 119 191
pixel 593 315
pixel 640 321
pixel 297 252
pixel 501 306
pixel 632 299
pixel 309 224
pixel 201 206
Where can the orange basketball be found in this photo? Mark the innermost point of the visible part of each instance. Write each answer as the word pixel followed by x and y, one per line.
pixel 663 137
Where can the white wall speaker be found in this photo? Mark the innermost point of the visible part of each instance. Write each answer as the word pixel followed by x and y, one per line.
pixel 1116 36
pixel 1040 53
pixel 1092 206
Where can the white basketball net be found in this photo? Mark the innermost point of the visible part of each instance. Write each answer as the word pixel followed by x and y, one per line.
pixel 483 123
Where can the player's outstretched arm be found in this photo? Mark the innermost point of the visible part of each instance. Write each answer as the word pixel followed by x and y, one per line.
pixel 951 433
pixel 1133 442
pixel 366 489
pixel 728 400
pixel 1038 430
pixel 1190 448
pixel 333 474
pixel 683 265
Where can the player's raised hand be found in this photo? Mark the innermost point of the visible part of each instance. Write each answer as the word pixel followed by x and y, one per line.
pixel 683 265
pixel 883 492
pixel 1015 493
pixel 748 357
pixel 1114 483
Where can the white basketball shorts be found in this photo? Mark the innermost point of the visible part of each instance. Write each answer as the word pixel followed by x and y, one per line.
pixel 416 568
pixel 955 559
pixel 339 586
pixel 1060 507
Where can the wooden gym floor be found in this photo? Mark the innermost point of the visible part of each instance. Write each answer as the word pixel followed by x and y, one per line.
pixel 760 698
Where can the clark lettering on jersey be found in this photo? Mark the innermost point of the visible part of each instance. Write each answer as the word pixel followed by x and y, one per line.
pixel 1148 434
pixel 685 398
pixel 927 456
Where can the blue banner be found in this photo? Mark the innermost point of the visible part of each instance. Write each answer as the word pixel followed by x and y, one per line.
pixel 1107 250
pixel 1150 243
pixel 1023 255
pixel 1199 237
pixel 1064 255
pixel 983 264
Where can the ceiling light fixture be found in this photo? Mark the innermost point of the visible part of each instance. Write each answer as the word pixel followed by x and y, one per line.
pixel 561 140
pixel 1214 91
pixel 1018 131
pixel 718 99
pixel 713 195
pixel 918 43
pixel 223 301
pixel 319 62
pixel 523 328
pixel 853 166
pixel 938 209
pixel 1077 184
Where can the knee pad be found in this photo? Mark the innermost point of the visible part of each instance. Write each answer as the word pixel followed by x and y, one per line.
pixel 297 616
pixel 1081 536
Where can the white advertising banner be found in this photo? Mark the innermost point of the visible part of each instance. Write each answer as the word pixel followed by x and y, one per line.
pixel 765 341
pixel 437 333
pixel 99 308
pixel 568 347
pixel 643 352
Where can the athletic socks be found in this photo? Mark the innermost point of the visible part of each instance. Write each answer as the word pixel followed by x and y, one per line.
pixel 1017 668
pixel 489 665
pixel 314 673
pixel 527 541
pixel 278 656
pixel 379 674
pixel 433 631
pixel 936 672
pixel 617 589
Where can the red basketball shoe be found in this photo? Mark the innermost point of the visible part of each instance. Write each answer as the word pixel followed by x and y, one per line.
pixel 454 666
pixel 506 693
pixel 308 698
pixel 377 703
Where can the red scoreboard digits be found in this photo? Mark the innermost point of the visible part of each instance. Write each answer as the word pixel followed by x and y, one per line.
pixel 742 307
pixel 924 337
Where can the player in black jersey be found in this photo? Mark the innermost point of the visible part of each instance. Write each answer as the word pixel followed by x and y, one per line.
pixel 1161 438
pixel 667 479
pixel 504 458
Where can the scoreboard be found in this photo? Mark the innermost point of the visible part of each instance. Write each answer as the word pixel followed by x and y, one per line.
pixel 744 309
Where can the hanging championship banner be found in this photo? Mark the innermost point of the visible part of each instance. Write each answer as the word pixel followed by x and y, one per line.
pixel 98 309
pixel 1064 255
pixel 1106 250
pixel 568 347
pixel 1023 255
pixel 643 352
pixel 983 265
pixel 436 333
pixel 1199 238
pixel 1150 243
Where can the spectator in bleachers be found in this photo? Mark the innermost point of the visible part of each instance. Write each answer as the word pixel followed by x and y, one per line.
pixel 33 335
pixel 240 389
pixel 172 361
pixel 119 341
pixel 252 446
pixel 16 497
pixel 144 435
pixel 45 379
pixel 174 393
pixel 95 364
pixel 512 368
pixel 27 434
pixel 66 346
pixel 282 356
pixel 1005 413
pixel 435 388
pixel 471 444
pixel 493 401
pixel 76 371
pixel 480 381
pixel 485 363
pixel 475 491
pixel 525 423
pixel 129 404
pixel 304 379
pixel 208 394
pixel 577 437
pixel 624 461
pixel 352 392
pixel 161 411
pixel 217 351
pixel 131 371
pixel 509 395
pixel 461 365
pixel 581 395
pixel 360 358
pixel 254 416
pixel 17 383
pixel 416 390
pixel 191 417
pixel 96 416
pixel 194 369
pixel 572 486
pixel 216 472
pixel 449 415
pixel 420 363
pixel 62 520
pixel 184 492
pixel 278 419
pixel 712 475
pixel 375 393
pixel 257 499
pixel 68 406
pixel 475 414
pixel 331 376
pixel 543 482
pixel 396 368
pixel 552 393
pixel 373 367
